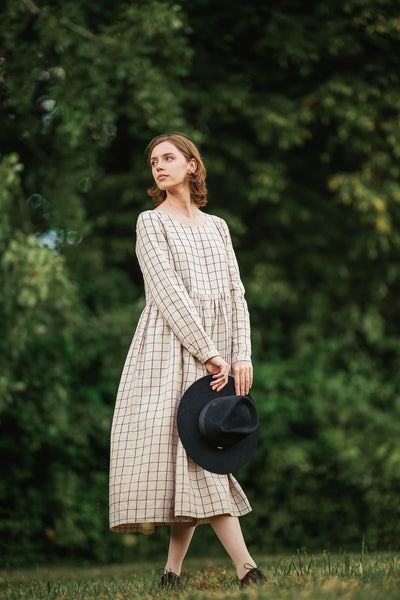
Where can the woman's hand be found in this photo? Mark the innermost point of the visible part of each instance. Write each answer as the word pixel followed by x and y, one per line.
pixel 217 367
pixel 242 371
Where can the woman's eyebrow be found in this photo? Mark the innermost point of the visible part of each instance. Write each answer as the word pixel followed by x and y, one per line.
pixel 162 155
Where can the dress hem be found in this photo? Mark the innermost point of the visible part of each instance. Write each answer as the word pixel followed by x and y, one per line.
pixel 148 528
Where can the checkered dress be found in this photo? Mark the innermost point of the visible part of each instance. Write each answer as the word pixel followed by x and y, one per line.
pixel 195 309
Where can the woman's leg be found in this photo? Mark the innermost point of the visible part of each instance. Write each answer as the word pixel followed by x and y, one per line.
pixel 231 537
pixel 181 535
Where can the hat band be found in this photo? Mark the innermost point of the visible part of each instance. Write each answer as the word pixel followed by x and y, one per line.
pixel 202 425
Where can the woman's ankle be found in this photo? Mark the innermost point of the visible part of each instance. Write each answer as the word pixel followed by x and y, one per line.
pixel 173 568
pixel 244 567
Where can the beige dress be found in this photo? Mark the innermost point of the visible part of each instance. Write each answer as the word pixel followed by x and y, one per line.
pixel 195 309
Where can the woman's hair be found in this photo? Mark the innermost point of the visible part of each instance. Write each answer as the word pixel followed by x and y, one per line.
pixel 197 180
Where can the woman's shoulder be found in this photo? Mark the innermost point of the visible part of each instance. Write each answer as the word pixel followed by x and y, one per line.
pixel 216 219
pixel 219 222
pixel 148 216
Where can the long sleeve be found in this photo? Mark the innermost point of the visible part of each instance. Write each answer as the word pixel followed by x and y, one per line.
pixel 167 289
pixel 241 340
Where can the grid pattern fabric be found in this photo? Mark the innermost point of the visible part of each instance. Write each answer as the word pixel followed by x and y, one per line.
pixel 195 309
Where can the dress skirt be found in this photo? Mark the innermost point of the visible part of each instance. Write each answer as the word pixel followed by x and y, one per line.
pixel 195 309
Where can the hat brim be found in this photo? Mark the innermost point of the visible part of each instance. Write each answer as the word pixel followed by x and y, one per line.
pixel 227 460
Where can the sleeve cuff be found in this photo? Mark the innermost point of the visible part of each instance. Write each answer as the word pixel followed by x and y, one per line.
pixel 207 355
pixel 241 356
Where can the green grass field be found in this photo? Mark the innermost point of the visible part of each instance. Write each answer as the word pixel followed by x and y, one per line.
pixel 302 576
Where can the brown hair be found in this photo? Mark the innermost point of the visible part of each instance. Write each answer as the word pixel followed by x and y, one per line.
pixel 197 180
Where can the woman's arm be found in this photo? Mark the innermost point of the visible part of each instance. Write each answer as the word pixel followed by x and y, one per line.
pixel 241 341
pixel 242 368
pixel 167 289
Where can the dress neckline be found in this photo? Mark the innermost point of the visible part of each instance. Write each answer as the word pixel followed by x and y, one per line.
pixel 181 224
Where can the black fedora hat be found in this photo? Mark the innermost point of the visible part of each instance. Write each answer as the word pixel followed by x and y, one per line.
pixel 219 430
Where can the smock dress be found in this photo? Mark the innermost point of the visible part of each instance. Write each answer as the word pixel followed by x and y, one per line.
pixel 195 309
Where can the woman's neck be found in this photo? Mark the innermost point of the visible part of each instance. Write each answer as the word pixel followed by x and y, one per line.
pixel 180 204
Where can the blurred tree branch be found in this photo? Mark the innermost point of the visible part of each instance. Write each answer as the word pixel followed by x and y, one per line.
pixel 31 6
pixel 35 10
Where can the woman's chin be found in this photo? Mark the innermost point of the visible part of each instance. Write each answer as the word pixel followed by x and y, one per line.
pixel 162 185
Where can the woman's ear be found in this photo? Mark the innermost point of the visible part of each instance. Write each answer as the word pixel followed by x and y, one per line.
pixel 192 165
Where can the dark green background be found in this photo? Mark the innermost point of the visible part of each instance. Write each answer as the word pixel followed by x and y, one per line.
pixel 295 107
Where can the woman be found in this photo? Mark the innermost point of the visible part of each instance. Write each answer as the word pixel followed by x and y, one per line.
pixel 195 323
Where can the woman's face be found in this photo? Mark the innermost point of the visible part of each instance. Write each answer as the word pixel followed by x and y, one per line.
pixel 169 166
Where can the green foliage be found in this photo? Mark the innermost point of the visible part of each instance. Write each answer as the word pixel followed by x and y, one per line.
pixel 332 439
pixel 55 422
pixel 296 111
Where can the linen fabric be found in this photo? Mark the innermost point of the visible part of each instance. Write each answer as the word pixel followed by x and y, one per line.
pixel 195 309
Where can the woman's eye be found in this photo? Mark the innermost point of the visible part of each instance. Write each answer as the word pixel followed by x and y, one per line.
pixel 153 163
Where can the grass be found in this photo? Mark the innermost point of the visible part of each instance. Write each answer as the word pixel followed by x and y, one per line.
pixel 322 577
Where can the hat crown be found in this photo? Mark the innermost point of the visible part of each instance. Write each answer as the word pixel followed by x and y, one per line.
pixel 226 420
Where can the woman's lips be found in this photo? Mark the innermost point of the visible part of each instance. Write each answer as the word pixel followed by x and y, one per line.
pixel 161 177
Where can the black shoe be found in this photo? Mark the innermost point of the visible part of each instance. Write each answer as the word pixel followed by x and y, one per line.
pixel 253 577
pixel 169 581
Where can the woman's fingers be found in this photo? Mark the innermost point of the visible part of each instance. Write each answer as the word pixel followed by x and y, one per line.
pixel 219 369
pixel 242 371
pixel 218 388
pixel 220 379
